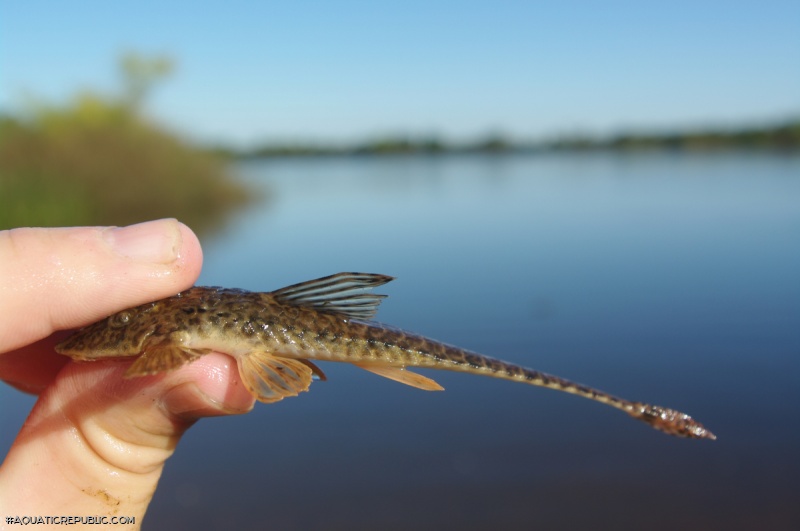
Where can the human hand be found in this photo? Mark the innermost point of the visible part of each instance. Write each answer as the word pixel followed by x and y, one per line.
pixel 95 444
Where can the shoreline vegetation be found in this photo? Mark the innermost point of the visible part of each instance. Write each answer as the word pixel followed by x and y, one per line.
pixel 98 160
pixel 783 137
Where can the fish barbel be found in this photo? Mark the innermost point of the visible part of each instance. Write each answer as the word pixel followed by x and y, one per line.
pixel 273 336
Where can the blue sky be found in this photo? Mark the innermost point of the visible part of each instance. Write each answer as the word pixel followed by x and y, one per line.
pixel 346 70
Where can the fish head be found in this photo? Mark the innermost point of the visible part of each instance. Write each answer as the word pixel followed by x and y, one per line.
pixel 118 335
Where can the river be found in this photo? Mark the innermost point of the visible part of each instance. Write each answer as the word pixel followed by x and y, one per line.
pixel 669 278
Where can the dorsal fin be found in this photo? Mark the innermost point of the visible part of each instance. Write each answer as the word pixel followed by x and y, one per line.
pixel 342 293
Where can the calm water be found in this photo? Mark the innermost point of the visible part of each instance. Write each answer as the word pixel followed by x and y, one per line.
pixel 671 279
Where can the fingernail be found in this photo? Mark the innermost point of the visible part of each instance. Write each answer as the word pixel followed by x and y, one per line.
pixel 152 241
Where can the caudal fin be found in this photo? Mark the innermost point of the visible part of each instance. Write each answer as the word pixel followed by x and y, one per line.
pixel 671 421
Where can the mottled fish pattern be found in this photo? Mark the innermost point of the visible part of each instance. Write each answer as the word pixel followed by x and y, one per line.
pixel 273 336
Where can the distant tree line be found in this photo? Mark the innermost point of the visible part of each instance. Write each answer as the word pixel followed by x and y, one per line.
pixel 784 137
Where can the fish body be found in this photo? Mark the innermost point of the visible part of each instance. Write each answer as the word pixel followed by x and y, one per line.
pixel 274 336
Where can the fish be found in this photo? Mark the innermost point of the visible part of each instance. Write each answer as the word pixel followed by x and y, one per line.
pixel 274 336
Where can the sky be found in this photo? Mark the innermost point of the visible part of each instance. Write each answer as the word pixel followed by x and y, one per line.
pixel 342 71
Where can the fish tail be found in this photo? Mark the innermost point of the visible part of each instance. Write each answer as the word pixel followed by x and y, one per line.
pixel 664 419
pixel 670 421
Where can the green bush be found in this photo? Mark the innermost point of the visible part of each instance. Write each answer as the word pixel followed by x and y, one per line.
pixel 97 161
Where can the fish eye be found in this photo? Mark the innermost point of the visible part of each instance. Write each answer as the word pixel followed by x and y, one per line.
pixel 121 319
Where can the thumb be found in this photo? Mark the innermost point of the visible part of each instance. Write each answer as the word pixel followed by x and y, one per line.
pixel 56 279
pixel 64 278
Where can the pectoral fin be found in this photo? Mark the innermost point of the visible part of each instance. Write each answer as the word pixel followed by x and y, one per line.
pixel 163 357
pixel 271 378
pixel 400 374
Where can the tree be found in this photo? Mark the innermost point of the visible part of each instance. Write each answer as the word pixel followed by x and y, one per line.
pixel 139 74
